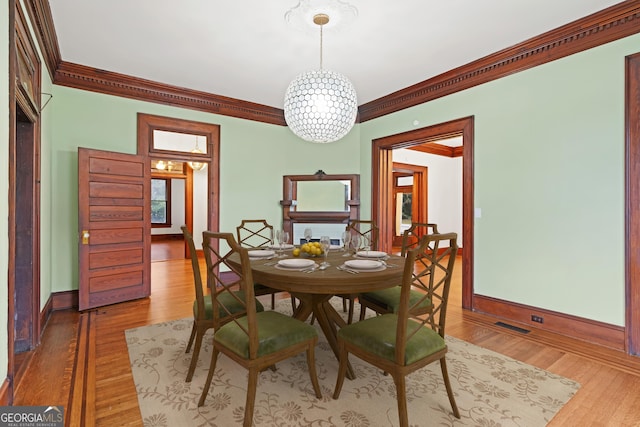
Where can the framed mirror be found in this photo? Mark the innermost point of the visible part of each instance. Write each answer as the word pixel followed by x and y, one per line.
pixel 320 201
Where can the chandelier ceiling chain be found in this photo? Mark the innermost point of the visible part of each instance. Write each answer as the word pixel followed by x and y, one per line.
pixel 320 105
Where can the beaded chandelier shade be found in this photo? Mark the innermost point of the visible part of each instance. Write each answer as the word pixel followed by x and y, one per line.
pixel 320 105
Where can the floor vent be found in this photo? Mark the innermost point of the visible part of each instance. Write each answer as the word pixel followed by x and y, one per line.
pixel 513 328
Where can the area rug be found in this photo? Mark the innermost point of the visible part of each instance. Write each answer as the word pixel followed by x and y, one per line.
pixel 490 389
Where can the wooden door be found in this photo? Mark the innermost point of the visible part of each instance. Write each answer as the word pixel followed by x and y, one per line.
pixel 114 227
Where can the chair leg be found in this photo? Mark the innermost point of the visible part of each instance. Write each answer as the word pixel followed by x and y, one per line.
pixel 344 304
pixel 293 303
pixel 352 306
pixel 311 361
pixel 193 335
pixel 401 392
pixel 273 301
pixel 363 311
pixel 342 369
pixel 207 383
pixel 195 355
pixel 251 397
pixel 447 384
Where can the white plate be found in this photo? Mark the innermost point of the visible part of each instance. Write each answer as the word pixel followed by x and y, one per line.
pixel 371 254
pixel 296 263
pixel 285 246
pixel 363 264
pixel 261 254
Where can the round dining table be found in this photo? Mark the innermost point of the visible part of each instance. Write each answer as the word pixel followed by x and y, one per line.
pixel 315 289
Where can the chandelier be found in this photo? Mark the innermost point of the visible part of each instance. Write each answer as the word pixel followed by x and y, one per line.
pixel 320 105
pixel 197 166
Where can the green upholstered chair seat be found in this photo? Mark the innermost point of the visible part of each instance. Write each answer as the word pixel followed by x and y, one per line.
pixel 391 299
pixel 276 331
pixel 232 305
pixel 377 335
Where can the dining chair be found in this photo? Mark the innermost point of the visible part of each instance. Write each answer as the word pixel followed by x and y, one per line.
pixel 400 343
pixel 254 340
pixel 388 300
pixel 367 231
pixel 257 234
pixel 202 306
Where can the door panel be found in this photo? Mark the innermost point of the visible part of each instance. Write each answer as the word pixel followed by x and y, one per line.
pixel 115 216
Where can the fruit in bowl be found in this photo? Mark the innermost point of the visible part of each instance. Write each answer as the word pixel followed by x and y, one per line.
pixel 311 249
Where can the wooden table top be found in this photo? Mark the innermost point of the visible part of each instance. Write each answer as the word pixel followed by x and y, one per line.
pixel 329 281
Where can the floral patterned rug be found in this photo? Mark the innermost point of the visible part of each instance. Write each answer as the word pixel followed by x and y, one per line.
pixel 490 389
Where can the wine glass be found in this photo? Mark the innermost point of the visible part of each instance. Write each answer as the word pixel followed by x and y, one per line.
pixel 325 242
pixel 346 240
pixel 308 233
pixel 355 243
pixel 366 243
pixel 283 238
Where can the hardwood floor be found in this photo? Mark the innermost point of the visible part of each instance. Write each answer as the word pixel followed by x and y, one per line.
pixel 609 395
pixel 166 250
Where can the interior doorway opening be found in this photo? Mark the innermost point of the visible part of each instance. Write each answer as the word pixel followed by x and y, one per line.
pixel 382 184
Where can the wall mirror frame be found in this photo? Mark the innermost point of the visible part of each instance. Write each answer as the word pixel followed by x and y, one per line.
pixel 290 188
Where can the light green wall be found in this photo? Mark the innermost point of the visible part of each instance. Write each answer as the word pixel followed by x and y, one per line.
pixel 4 183
pixel 549 178
pixel 253 158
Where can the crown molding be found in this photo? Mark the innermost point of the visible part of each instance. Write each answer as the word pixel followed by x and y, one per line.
pixel 602 27
pixel 108 82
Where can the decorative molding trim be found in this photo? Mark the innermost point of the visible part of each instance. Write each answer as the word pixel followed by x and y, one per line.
pixel 42 22
pixel 110 83
pixel 610 24
pixel 438 149
pixel 602 27
pixel 571 326
pixel 64 300
pixel 632 199
pixel 44 315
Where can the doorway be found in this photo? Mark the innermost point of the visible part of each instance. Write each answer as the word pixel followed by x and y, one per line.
pixel 24 327
pixel 195 146
pixel 410 198
pixel 382 187
pixel 171 189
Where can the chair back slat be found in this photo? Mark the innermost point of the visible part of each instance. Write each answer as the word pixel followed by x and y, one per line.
pixel 366 230
pixel 254 233
pixel 412 235
pixel 226 280
pixel 428 269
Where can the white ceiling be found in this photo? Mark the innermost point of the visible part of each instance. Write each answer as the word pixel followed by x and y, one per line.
pixel 246 49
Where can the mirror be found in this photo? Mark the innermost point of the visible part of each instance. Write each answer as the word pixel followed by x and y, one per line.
pixel 332 196
pixel 320 199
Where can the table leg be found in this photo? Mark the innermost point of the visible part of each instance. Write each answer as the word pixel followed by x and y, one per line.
pixel 327 317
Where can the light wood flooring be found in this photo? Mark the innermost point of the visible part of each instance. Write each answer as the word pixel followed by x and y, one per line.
pixel 609 395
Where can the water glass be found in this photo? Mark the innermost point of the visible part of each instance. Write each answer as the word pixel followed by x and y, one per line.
pixel 346 241
pixel 355 243
pixel 308 233
pixel 325 242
